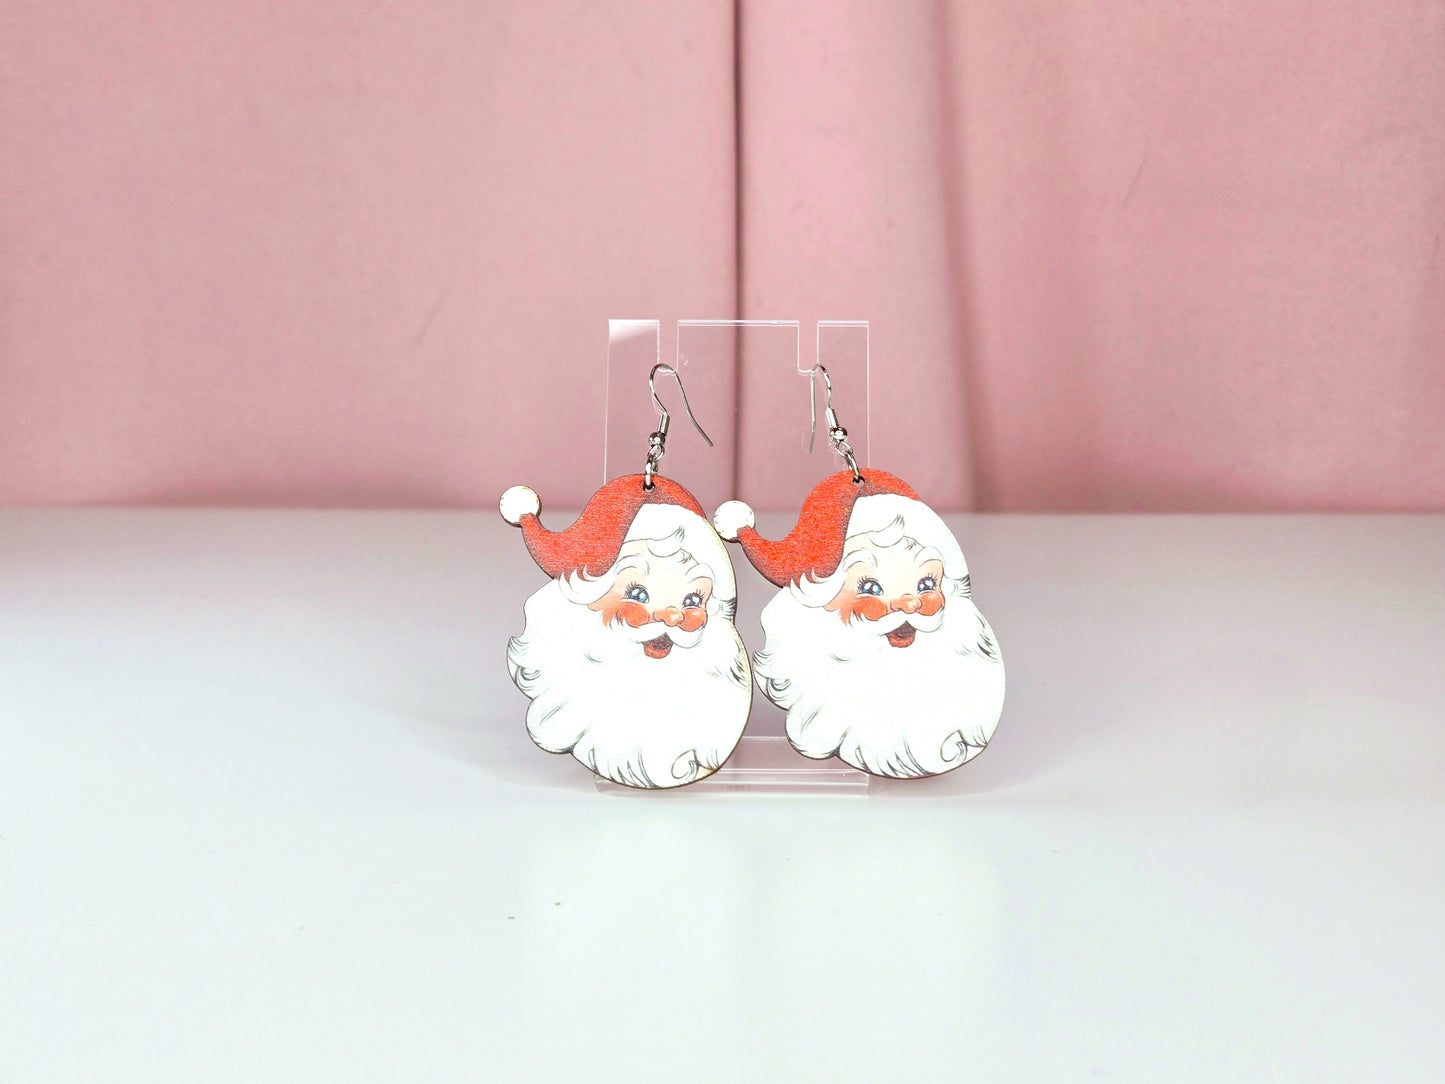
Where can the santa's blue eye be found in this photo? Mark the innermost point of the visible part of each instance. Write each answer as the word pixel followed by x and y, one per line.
pixel 692 600
pixel 928 583
pixel 869 586
pixel 637 593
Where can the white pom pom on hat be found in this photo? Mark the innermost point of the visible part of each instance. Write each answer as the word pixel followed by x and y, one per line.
pixel 518 502
pixel 732 517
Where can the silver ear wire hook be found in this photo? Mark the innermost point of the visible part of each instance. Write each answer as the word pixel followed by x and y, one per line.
pixel 657 442
pixel 837 435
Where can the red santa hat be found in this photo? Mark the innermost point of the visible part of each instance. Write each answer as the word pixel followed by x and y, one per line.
pixel 591 545
pixel 815 545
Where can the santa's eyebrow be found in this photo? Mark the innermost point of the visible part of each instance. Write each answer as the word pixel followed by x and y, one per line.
pixel 635 561
pixel 926 554
pixel 699 572
pixel 860 557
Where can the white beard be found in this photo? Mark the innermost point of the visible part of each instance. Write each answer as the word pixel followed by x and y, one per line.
pixel 636 720
pixel 903 712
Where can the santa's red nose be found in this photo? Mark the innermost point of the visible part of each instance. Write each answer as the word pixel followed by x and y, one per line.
pixel 671 617
pixel 908 604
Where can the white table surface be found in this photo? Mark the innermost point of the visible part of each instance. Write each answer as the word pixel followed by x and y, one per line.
pixel 268 811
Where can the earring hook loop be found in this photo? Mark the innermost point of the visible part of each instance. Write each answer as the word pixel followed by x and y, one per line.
pixel 657 441
pixel 837 435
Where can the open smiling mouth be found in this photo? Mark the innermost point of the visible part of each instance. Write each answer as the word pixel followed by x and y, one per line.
pixel 658 648
pixel 902 636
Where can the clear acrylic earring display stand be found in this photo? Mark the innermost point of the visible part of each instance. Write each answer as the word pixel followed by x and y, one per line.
pixel 747 383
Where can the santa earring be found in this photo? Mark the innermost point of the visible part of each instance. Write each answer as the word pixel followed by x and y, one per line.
pixel 874 646
pixel 629 653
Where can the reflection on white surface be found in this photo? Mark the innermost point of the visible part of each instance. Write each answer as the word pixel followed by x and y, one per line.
pixel 841 929
pixel 646 909
pixel 884 941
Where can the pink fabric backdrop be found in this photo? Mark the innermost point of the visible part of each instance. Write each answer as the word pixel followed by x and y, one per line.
pixel 1154 255
pixel 311 252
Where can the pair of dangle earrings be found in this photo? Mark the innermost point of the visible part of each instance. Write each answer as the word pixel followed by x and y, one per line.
pixel 874 647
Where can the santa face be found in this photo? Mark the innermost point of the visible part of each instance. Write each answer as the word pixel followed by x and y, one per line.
pixel 885 663
pixel 662 598
pixel 639 672
pixel 897 590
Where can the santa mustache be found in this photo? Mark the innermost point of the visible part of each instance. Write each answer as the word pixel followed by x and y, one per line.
pixel 897 619
pixel 653 629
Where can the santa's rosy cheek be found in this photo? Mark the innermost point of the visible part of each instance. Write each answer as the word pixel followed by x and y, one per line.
pixel 866 607
pixel 693 618
pixel 626 611
pixel 930 602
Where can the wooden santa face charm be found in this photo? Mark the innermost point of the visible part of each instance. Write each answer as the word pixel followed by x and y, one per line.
pixel 629 653
pixel 874 646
